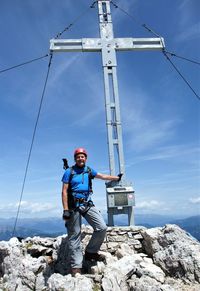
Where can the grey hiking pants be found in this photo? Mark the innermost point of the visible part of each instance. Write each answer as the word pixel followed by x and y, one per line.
pixel 73 225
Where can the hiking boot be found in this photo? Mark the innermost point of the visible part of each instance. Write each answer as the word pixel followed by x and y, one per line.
pixel 75 271
pixel 94 257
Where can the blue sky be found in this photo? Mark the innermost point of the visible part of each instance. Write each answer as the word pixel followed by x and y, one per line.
pixel 160 114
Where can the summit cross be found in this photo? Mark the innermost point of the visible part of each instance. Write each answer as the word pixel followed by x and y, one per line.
pixel 107 45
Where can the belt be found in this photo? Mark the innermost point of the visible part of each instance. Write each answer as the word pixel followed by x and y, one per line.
pixel 81 195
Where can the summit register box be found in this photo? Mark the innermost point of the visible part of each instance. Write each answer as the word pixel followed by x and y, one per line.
pixel 120 196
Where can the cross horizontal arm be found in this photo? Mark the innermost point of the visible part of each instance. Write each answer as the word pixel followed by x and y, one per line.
pixel 124 44
pixel 96 44
pixel 78 45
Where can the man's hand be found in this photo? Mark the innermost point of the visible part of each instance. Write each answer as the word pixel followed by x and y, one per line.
pixel 66 214
pixel 120 176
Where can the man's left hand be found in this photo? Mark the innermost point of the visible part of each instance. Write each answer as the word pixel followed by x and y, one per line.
pixel 120 176
pixel 66 214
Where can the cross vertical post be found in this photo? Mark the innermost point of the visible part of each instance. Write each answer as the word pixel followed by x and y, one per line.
pixel 113 119
pixel 120 196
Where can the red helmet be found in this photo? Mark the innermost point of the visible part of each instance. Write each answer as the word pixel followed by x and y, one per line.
pixel 80 151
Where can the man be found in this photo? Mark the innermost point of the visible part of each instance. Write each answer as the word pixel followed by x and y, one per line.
pixel 76 200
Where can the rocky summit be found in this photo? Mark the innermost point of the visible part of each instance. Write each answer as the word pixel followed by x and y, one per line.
pixel 163 258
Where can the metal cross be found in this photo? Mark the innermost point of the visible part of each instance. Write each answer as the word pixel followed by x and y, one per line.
pixel 107 45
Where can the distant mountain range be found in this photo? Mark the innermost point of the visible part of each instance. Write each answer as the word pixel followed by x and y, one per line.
pixel 54 226
pixel 43 227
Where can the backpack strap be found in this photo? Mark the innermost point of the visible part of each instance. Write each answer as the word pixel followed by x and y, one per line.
pixel 90 177
pixel 72 173
pixel 70 196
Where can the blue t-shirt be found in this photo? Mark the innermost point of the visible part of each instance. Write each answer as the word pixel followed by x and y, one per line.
pixel 79 181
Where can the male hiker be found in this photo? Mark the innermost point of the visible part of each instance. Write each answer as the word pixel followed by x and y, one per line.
pixel 77 202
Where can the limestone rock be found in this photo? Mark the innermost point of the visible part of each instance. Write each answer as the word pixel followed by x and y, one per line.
pixel 146 283
pixel 58 282
pixel 123 250
pixel 150 270
pixel 136 258
pixel 174 251
pixel 114 281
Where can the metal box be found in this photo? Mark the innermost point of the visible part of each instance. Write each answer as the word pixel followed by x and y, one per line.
pixel 120 196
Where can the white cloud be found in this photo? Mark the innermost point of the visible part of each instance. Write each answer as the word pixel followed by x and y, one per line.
pixel 195 200
pixel 153 133
pixel 150 205
pixel 191 33
pixel 88 118
pixel 27 207
pixel 145 129
pixel 188 29
pixel 62 67
pixel 35 207
pixel 169 152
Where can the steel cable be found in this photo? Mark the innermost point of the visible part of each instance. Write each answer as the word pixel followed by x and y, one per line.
pixel 136 20
pixel 40 106
pixel 32 141
pixel 24 63
pixel 183 58
pixel 75 20
pixel 153 32
pixel 181 75
pixel 164 51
